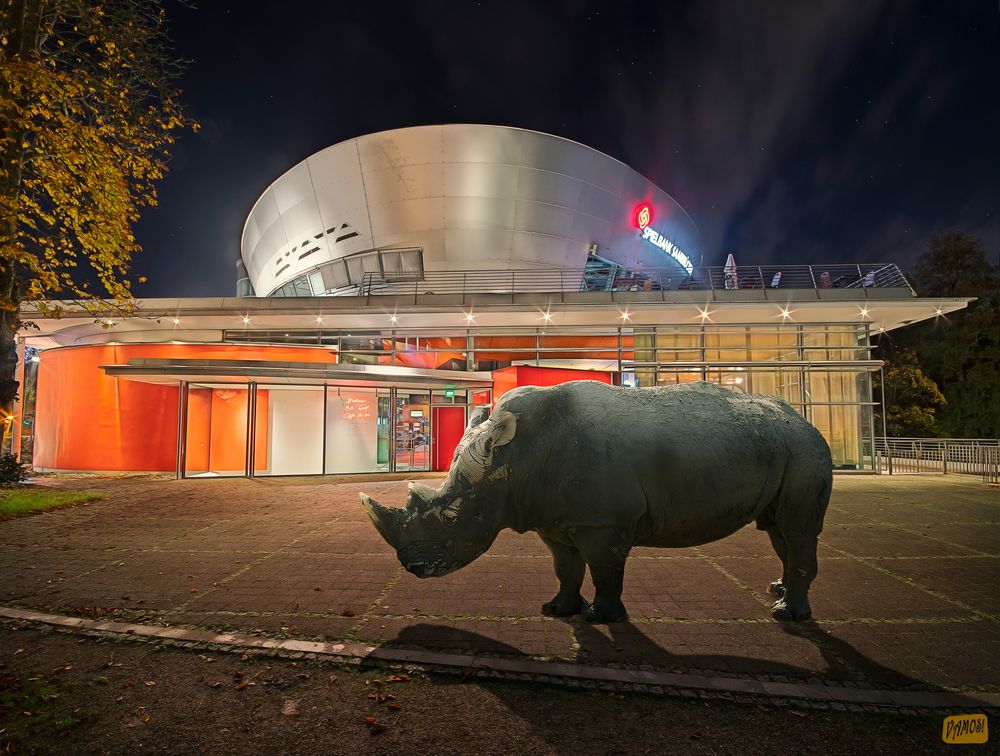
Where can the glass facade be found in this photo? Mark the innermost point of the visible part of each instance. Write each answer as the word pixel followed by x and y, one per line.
pixel 822 370
pixel 319 430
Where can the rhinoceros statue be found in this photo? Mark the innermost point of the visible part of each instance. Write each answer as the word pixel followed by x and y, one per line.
pixel 597 469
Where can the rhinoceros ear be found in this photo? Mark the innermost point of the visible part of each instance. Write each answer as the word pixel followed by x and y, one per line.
pixel 503 430
pixel 478 416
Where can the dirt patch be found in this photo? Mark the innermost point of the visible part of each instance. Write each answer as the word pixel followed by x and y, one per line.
pixel 59 692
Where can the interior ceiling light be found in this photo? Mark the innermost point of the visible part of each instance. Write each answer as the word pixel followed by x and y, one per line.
pixel 393 318
pixel 864 312
pixel 469 318
pixel 246 320
pixel 626 316
pixel 785 313
pixel 546 316
pixel 319 319
pixel 704 314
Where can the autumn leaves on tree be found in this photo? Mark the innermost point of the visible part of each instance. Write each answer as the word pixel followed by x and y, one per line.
pixel 88 111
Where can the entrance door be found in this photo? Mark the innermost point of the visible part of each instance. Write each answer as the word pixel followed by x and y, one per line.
pixel 449 425
pixel 413 431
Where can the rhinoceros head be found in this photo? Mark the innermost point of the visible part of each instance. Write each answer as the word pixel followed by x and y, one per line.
pixel 441 530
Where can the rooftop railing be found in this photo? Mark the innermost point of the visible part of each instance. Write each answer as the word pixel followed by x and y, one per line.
pixel 618 279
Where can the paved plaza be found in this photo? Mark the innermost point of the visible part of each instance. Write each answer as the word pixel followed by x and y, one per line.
pixel 908 594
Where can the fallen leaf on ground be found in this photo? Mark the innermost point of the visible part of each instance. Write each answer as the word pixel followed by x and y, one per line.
pixel 374 726
pixel 214 684
pixel 399 678
pixel 394 706
pixel 102 680
pixel 799 713
pixel 290 708
pixel 128 683
pixel 150 683
pixel 347 613
pixel 194 590
pixel 244 683
pixel 333 678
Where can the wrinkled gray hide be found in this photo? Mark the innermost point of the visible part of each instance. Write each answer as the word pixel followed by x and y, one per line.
pixel 596 469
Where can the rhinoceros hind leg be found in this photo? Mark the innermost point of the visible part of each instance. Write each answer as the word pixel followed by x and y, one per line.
pixel 777 587
pixel 781 610
pixel 569 566
pixel 800 571
pixel 605 609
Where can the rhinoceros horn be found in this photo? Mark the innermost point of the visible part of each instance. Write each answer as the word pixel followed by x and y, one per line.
pixel 387 520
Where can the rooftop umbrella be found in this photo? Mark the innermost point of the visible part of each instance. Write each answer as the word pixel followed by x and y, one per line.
pixel 729 271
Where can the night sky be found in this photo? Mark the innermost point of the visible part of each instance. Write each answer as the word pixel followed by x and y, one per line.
pixel 791 132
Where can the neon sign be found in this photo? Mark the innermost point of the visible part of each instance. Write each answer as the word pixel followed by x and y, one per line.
pixel 356 408
pixel 643 217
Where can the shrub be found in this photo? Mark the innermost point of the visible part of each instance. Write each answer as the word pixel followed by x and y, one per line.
pixel 12 472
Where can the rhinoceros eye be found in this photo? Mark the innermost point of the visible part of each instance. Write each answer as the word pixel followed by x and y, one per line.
pixel 449 515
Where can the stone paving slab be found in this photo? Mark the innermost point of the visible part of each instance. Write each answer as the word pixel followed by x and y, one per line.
pixel 908 594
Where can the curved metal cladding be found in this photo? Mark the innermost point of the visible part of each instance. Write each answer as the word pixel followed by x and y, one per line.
pixel 454 197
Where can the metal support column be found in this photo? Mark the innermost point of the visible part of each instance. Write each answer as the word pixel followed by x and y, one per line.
pixel 182 412
pixel 325 398
pixel 392 428
pixel 251 427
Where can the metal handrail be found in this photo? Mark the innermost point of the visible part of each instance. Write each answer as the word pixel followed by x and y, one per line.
pixel 969 456
pixel 618 279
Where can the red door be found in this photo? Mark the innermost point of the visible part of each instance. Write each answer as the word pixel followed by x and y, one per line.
pixel 448 426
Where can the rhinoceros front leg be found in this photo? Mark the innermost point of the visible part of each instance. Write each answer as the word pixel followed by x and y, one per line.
pixel 605 553
pixel 569 567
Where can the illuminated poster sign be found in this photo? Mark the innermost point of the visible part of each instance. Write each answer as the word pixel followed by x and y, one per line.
pixel 643 218
pixel 356 408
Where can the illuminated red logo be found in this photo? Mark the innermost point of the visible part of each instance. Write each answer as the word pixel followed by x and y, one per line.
pixel 643 216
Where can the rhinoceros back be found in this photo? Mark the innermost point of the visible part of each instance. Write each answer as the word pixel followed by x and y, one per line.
pixel 677 465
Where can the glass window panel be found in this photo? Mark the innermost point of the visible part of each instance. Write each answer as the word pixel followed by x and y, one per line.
pixel 726 346
pixel 289 426
pixel 335 275
pixel 216 432
pixel 316 282
pixel 678 346
pixel 353 426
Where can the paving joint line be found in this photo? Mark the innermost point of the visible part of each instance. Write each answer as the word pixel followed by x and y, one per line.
pixel 383 594
pixel 219 584
pixel 737 582
pixel 918 586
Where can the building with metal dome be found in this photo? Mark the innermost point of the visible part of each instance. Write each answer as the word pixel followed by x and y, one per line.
pixel 391 283
pixel 456 197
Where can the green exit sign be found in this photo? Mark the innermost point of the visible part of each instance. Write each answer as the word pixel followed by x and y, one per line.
pixel 450 393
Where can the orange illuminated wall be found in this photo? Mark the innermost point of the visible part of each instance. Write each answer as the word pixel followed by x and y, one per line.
pixel 524 375
pixel 86 420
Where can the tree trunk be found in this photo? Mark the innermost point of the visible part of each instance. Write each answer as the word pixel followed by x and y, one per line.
pixel 23 25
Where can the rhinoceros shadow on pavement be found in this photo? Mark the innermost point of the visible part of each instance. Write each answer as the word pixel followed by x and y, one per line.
pixel 626 643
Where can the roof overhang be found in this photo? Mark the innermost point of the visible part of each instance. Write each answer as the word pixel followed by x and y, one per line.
pixel 205 320
pixel 173 371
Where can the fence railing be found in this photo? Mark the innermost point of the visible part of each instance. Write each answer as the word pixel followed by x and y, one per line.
pixel 968 456
pixel 617 279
